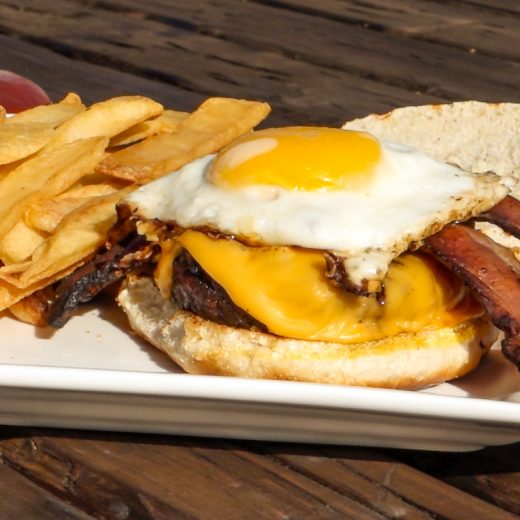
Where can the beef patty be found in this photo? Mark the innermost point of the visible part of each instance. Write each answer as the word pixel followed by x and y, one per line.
pixel 195 291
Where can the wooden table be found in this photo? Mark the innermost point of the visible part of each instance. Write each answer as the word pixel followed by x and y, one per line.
pixel 315 62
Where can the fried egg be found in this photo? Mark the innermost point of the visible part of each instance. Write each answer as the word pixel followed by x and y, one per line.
pixel 329 189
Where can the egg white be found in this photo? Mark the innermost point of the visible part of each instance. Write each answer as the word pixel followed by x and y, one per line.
pixel 410 196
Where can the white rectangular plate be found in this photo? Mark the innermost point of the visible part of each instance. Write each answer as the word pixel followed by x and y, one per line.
pixel 94 374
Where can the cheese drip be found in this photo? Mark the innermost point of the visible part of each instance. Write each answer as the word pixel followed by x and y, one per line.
pixel 285 288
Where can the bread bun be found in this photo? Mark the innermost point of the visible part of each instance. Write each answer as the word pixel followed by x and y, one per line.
pixel 203 347
pixel 475 136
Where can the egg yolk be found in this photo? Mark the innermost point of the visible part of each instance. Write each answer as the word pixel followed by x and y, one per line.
pixel 285 288
pixel 298 158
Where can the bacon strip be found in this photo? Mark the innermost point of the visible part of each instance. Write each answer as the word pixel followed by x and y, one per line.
pixel 491 270
pixel 505 214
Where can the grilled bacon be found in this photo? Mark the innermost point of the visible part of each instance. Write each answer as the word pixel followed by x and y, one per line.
pixel 493 273
pixel 505 214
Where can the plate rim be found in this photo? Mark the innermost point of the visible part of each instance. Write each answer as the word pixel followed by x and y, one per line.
pixel 273 392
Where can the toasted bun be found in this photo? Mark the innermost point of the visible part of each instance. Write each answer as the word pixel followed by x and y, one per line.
pixel 202 347
pixel 476 136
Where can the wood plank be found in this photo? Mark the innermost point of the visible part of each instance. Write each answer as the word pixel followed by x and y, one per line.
pixel 509 6
pixel 454 23
pixel 194 478
pixel 20 498
pixel 420 66
pixel 345 481
pixel 492 474
pixel 98 492
pixel 181 478
pixel 59 74
pixel 395 488
pixel 300 92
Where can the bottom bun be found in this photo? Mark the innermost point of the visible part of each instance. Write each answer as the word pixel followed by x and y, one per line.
pixel 408 360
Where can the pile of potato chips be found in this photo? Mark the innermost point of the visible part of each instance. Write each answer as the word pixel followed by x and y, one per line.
pixel 64 167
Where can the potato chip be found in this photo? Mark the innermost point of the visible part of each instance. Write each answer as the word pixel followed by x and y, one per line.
pixel 45 215
pixel 72 98
pixel 166 123
pixel 217 122
pixel 96 186
pixel 47 174
pixel 7 270
pixel 32 309
pixel 20 242
pixel 106 118
pixel 6 169
pixel 52 115
pixel 19 140
pixel 79 234
pixel 29 131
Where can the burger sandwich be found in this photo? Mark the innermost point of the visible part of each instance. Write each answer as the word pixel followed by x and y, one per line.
pixel 328 255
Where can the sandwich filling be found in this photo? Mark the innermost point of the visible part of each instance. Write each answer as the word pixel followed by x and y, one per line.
pixel 342 192
pixel 306 233
pixel 316 234
pixel 284 291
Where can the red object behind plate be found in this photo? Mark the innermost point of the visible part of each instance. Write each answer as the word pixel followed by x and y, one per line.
pixel 18 93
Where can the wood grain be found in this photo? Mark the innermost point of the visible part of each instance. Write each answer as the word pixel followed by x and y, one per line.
pixel 394 488
pixel 491 474
pixel 204 63
pixel 508 6
pixel 231 52
pixel 457 24
pixel 388 58
pixel 21 498
pixel 99 475
pixel 60 74
pixel 167 477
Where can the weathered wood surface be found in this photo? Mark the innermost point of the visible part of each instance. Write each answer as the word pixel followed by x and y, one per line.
pixel 122 476
pixel 317 69
pixel 315 62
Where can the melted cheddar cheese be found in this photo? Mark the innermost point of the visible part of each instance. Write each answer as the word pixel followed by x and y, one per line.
pixel 163 273
pixel 285 288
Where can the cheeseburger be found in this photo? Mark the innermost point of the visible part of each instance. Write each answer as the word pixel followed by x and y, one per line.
pixel 294 253
pixel 325 255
